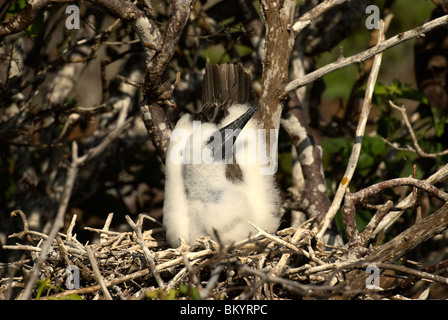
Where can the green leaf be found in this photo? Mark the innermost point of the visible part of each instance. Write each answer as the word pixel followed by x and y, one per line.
pixel 190 291
pixel 72 296
pixel 374 145
pixel 16 7
pixel 36 26
pixel 438 122
pixel 365 164
pixel 242 50
pixel 215 53
pixel 335 145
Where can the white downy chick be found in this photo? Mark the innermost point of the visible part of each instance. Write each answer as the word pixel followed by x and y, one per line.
pixel 214 182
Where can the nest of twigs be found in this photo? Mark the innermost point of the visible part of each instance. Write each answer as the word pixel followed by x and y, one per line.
pixel 139 264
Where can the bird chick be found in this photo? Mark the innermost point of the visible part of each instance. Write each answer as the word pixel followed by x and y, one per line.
pixel 214 181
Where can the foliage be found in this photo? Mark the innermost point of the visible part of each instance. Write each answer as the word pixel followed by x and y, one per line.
pixel 43 286
pixel 184 290
pixel 38 127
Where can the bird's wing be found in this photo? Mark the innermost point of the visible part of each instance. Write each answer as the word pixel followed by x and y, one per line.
pixel 224 85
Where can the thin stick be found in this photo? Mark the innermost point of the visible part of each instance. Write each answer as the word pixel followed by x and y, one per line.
pixel 314 13
pixel 280 241
pixel 70 228
pixel 58 222
pixel 353 160
pixel 25 225
pixel 146 251
pixel 417 147
pixel 106 227
pixel 441 174
pixel 97 273
pixel 380 47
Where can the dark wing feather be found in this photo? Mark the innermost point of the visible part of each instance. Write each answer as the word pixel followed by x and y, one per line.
pixel 223 86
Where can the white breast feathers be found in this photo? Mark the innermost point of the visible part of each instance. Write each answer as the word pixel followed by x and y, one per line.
pixel 215 184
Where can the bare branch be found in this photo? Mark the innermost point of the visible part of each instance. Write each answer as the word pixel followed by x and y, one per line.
pixel 441 174
pixel 157 94
pixel 394 249
pixel 314 189
pixel 26 17
pixel 278 43
pixel 97 273
pixel 343 62
pixel 356 241
pixel 417 147
pixel 58 221
pixel 146 252
pixel 353 160
pixel 308 18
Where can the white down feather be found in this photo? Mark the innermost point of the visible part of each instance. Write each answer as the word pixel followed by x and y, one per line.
pixel 200 200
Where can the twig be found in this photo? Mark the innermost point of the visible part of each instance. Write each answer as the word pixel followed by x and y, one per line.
pixel 25 225
pixel 353 160
pixel 97 273
pixel 146 251
pixel 303 289
pixel 193 277
pixel 70 228
pixel 373 223
pixel 308 18
pixel 399 246
pixel 441 174
pixel 106 226
pixel 392 183
pixel 280 241
pixel 58 222
pixel 129 81
pixel 417 147
pixel 63 250
pixel 343 62
pixel 21 247
pixel 212 280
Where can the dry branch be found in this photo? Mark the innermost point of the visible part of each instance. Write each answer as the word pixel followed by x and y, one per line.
pixel 400 245
pixel 360 129
pixel 440 175
pixel 417 149
pixel 114 263
pixel 314 188
pixel 357 241
pixel 314 13
pixel 389 43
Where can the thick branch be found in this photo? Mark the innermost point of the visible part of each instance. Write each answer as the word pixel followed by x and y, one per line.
pixel 279 42
pixel 310 157
pixel 157 94
pixel 399 246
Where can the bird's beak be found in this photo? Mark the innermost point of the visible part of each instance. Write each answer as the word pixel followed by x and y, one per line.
pixel 230 132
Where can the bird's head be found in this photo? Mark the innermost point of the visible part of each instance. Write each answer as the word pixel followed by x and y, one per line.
pixel 204 143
